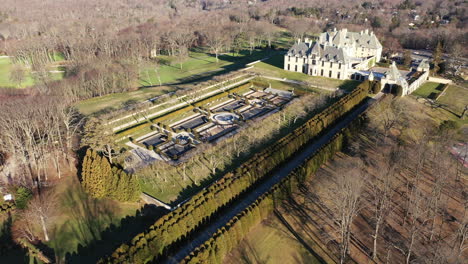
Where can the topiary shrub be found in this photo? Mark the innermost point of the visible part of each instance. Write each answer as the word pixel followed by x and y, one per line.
pixel 398 90
pixel 376 87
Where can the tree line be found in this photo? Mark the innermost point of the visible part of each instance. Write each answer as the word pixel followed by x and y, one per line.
pixel 156 242
pixel 101 179
pixel 228 237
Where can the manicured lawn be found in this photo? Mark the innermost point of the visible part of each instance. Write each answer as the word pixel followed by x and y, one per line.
pixel 83 218
pixel 115 101
pixel 426 89
pixel 455 98
pixel 5 73
pixel 270 242
pixel 198 65
pixel 274 67
pixel 5 69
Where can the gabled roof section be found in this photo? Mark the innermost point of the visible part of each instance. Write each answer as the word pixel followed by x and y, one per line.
pixel 329 53
pixel 393 73
pixel 299 49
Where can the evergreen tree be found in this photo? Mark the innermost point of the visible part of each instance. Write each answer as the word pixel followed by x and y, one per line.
pixel 437 57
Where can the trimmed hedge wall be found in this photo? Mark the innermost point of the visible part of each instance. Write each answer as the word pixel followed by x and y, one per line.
pixel 225 239
pixel 175 226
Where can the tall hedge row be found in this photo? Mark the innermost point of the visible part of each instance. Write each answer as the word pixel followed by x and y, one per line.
pixel 181 222
pixel 225 239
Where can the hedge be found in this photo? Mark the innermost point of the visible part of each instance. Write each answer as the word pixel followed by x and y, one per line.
pixel 227 238
pixel 167 231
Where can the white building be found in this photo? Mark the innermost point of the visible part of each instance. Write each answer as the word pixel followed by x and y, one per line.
pixel 335 54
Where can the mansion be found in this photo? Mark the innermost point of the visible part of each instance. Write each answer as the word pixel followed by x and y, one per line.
pixel 335 54
pixel 341 54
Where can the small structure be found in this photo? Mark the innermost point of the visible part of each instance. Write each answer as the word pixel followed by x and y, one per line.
pixel 392 76
pixel 8 197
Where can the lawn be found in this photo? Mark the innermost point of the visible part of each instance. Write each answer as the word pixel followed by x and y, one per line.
pixel 427 88
pixel 5 70
pixel 455 98
pixel 82 218
pixel 199 66
pixel 274 67
pixel 104 104
pixel 270 242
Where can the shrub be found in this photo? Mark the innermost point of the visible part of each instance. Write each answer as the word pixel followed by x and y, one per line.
pixel 22 197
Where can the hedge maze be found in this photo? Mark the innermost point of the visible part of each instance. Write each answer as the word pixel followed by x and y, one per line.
pixel 156 243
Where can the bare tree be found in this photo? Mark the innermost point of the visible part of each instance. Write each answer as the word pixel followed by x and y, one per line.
pixel 350 180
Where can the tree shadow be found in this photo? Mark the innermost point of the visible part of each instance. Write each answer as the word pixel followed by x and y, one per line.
pixel 237 62
pixel 92 228
pixel 10 252
pixel 113 236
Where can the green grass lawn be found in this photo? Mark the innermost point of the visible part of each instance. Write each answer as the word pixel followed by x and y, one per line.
pixel 115 101
pixel 270 242
pixel 6 67
pixel 455 98
pixel 274 67
pixel 199 67
pixel 82 218
pixel 426 89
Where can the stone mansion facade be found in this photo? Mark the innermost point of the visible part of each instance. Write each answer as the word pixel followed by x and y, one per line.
pixel 341 54
pixel 336 54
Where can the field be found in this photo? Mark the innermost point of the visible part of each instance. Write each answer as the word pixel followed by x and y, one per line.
pixel 104 104
pixel 427 88
pixel 454 98
pixel 198 67
pixel 83 218
pixel 274 67
pixel 5 70
pixel 270 242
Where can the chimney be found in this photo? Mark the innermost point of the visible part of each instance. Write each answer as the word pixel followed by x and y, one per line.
pixel 366 31
pixel 298 40
pixel 306 40
pixel 345 30
pixel 334 29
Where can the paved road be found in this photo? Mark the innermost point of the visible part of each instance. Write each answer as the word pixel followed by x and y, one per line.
pixel 277 176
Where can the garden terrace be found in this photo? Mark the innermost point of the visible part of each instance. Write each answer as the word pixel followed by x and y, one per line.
pixel 208 120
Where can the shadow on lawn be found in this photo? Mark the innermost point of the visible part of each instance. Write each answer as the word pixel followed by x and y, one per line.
pixel 10 252
pixel 104 243
pixel 237 62
pixel 93 227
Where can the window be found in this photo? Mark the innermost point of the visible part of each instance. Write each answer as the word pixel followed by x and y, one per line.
pixel 304 69
pixel 321 72
pixel 289 67
pixel 331 64
pixel 297 59
pixel 339 66
pixel 295 68
pixel 314 62
pixel 329 74
pixel 289 58
pixel 304 60
pixel 338 75
pixel 323 63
